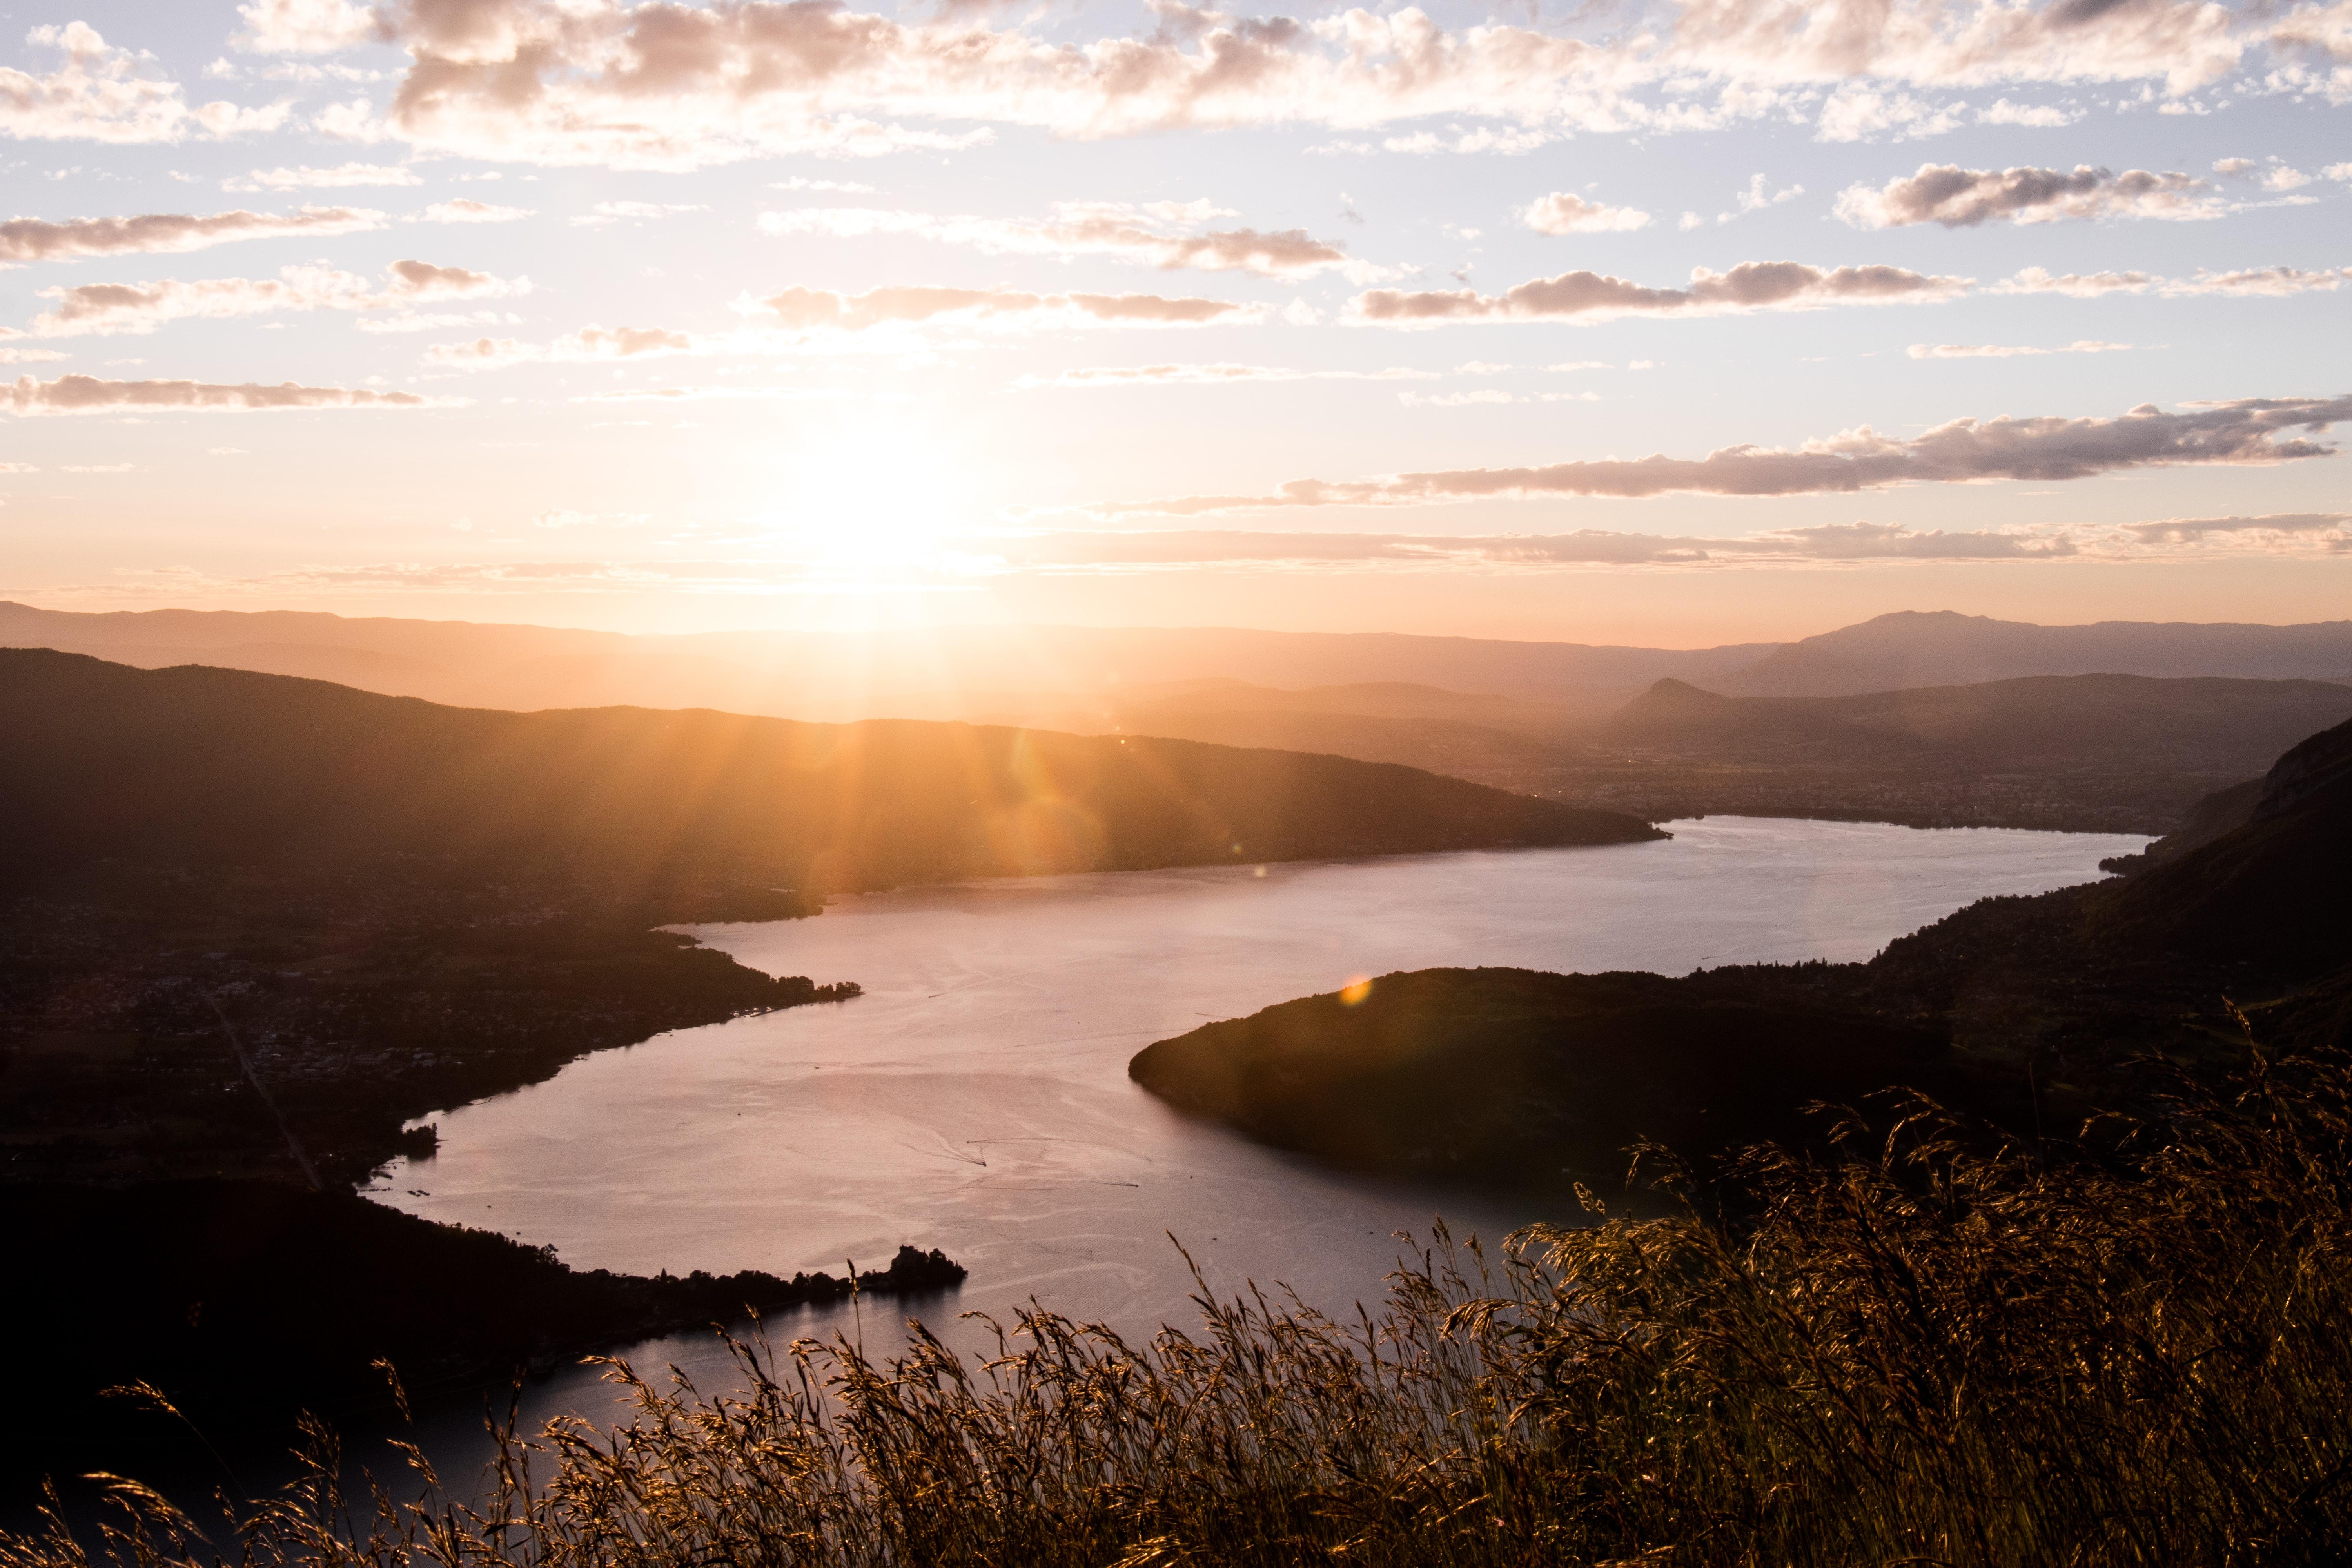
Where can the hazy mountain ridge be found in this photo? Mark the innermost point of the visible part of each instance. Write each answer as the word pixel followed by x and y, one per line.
pixel 967 671
pixel 1944 649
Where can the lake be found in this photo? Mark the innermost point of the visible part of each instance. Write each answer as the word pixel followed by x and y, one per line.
pixel 976 1098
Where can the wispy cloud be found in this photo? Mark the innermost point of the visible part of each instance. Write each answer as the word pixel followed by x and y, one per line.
pixel 2012 350
pixel 342 176
pixel 2253 280
pixel 1594 297
pixel 464 209
pixel 1166 235
pixel 1212 374
pixel 27 239
pixel 803 309
pixel 2047 448
pixel 87 395
pixel 587 345
pixel 118 308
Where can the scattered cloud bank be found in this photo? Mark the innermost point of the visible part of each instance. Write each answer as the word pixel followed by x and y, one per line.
pixel 99 93
pixel 2010 351
pixel 613 82
pixel 1594 297
pixel 1564 212
pixel 118 308
pixel 1163 234
pixel 2046 448
pixel 1955 197
pixel 87 395
pixel 27 239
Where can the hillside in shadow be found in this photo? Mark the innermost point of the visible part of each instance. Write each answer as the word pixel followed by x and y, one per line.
pixel 2024 1013
pixel 198 764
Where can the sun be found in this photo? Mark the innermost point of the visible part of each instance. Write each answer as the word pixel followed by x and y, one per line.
pixel 865 496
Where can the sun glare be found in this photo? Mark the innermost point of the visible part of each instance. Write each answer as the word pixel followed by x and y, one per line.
pixel 865 501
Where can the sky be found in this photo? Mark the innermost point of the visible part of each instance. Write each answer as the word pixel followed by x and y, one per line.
pixel 1735 320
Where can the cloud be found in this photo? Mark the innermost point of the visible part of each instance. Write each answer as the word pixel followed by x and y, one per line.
pixel 2046 448
pixel 145 307
pixel 99 94
pixel 587 345
pixel 1858 114
pixel 87 394
pixel 1563 212
pixel 605 213
pixel 2078 285
pixel 739 394
pixel 342 176
pixel 1216 374
pixel 2256 280
pixel 608 81
pixel 2270 280
pixel 1593 297
pixel 1963 198
pixel 29 356
pixel 2040 115
pixel 999 309
pixel 2004 351
pixel 1585 547
pixel 464 209
pixel 1155 235
pixel 2194 530
pixel 1757 196
pixel 304 27
pixel 36 239
pixel 119 308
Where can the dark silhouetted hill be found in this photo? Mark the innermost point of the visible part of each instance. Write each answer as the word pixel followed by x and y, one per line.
pixel 211 765
pixel 244 1302
pixel 2026 1012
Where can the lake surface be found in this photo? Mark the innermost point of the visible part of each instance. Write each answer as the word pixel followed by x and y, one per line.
pixel 976 1098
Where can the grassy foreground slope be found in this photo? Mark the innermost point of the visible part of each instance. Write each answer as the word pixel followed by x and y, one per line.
pixel 2025 1011
pixel 1911 1352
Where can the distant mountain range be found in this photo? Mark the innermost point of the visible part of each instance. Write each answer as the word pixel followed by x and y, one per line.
pixel 2189 723
pixel 966 672
pixel 1891 652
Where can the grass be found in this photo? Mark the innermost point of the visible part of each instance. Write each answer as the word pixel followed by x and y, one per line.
pixel 1916 1351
